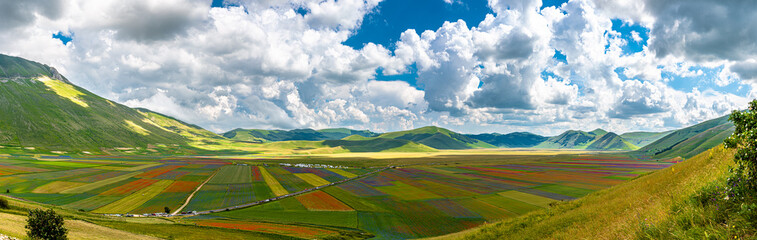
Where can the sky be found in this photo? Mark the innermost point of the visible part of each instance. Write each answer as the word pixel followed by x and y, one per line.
pixel 472 66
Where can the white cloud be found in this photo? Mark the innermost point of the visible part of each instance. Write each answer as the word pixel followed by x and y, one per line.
pixel 264 65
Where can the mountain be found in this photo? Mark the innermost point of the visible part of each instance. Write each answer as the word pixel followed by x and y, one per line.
pixel 438 138
pixel 257 135
pixel 641 139
pixel 571 139
pixel 597 139
pixel 690 141
pixel 510 140
pixel 42 110
pixel 611 141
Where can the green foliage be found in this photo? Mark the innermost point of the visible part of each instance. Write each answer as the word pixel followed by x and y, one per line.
pixel 4 203
pixel 713 212
pixel 744 139
pixel 166 210
pixel 46 225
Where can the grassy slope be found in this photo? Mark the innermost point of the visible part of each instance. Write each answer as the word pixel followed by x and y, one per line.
pixel 611 141
pixel 689 141
pixel 570 139
pixel 641 139
pixel 12 67
pixel 41 118
pixel 56 115
pixel 615 213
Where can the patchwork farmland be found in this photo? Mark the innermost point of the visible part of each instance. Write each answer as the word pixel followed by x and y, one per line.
pixel 427 201
pixel 403 202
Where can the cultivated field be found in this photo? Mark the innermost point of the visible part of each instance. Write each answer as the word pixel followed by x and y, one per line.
pixel 426 196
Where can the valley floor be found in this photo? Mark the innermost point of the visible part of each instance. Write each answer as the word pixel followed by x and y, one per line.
pixel 353 196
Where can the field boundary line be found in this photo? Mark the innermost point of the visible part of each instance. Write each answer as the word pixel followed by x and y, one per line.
pixel 178 210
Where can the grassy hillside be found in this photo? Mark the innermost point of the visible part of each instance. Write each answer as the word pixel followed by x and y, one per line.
pixel 16 67
pixel 641 139
pixel 256 135
pixel 438 138
pixel 570 139
pixel 598 132
pixel 42 111
pixel 622 212
pixel 510 140
pixel 690 141
pixel 611 141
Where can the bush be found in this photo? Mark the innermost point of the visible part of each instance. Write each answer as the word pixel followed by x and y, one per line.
pixel 167 210
pixel 45 225
pixel 743 181
pixel 4 203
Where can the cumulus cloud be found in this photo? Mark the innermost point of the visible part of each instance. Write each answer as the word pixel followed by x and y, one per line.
pixel 704 30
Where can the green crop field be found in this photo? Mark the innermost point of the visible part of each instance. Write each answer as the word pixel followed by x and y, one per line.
pixel 408 202
pixel 232 174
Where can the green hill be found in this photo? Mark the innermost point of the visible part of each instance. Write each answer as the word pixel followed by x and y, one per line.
pixel 598 139
pixel 256 135
pixel 571 139
pixel 690 141
pixel 611 141
pixel 598 132
pixel 641 139
pixel 438 138
pixel 43 111
pixel 510 140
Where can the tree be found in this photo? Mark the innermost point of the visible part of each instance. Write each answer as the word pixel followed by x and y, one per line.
pixel 744 139
pixel 167 210
pixel 45 225
pixel 4 203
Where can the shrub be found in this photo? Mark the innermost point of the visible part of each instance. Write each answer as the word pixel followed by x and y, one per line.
pixel 4 203
pixel 743 180
pixel 167 210
pixel 46 225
